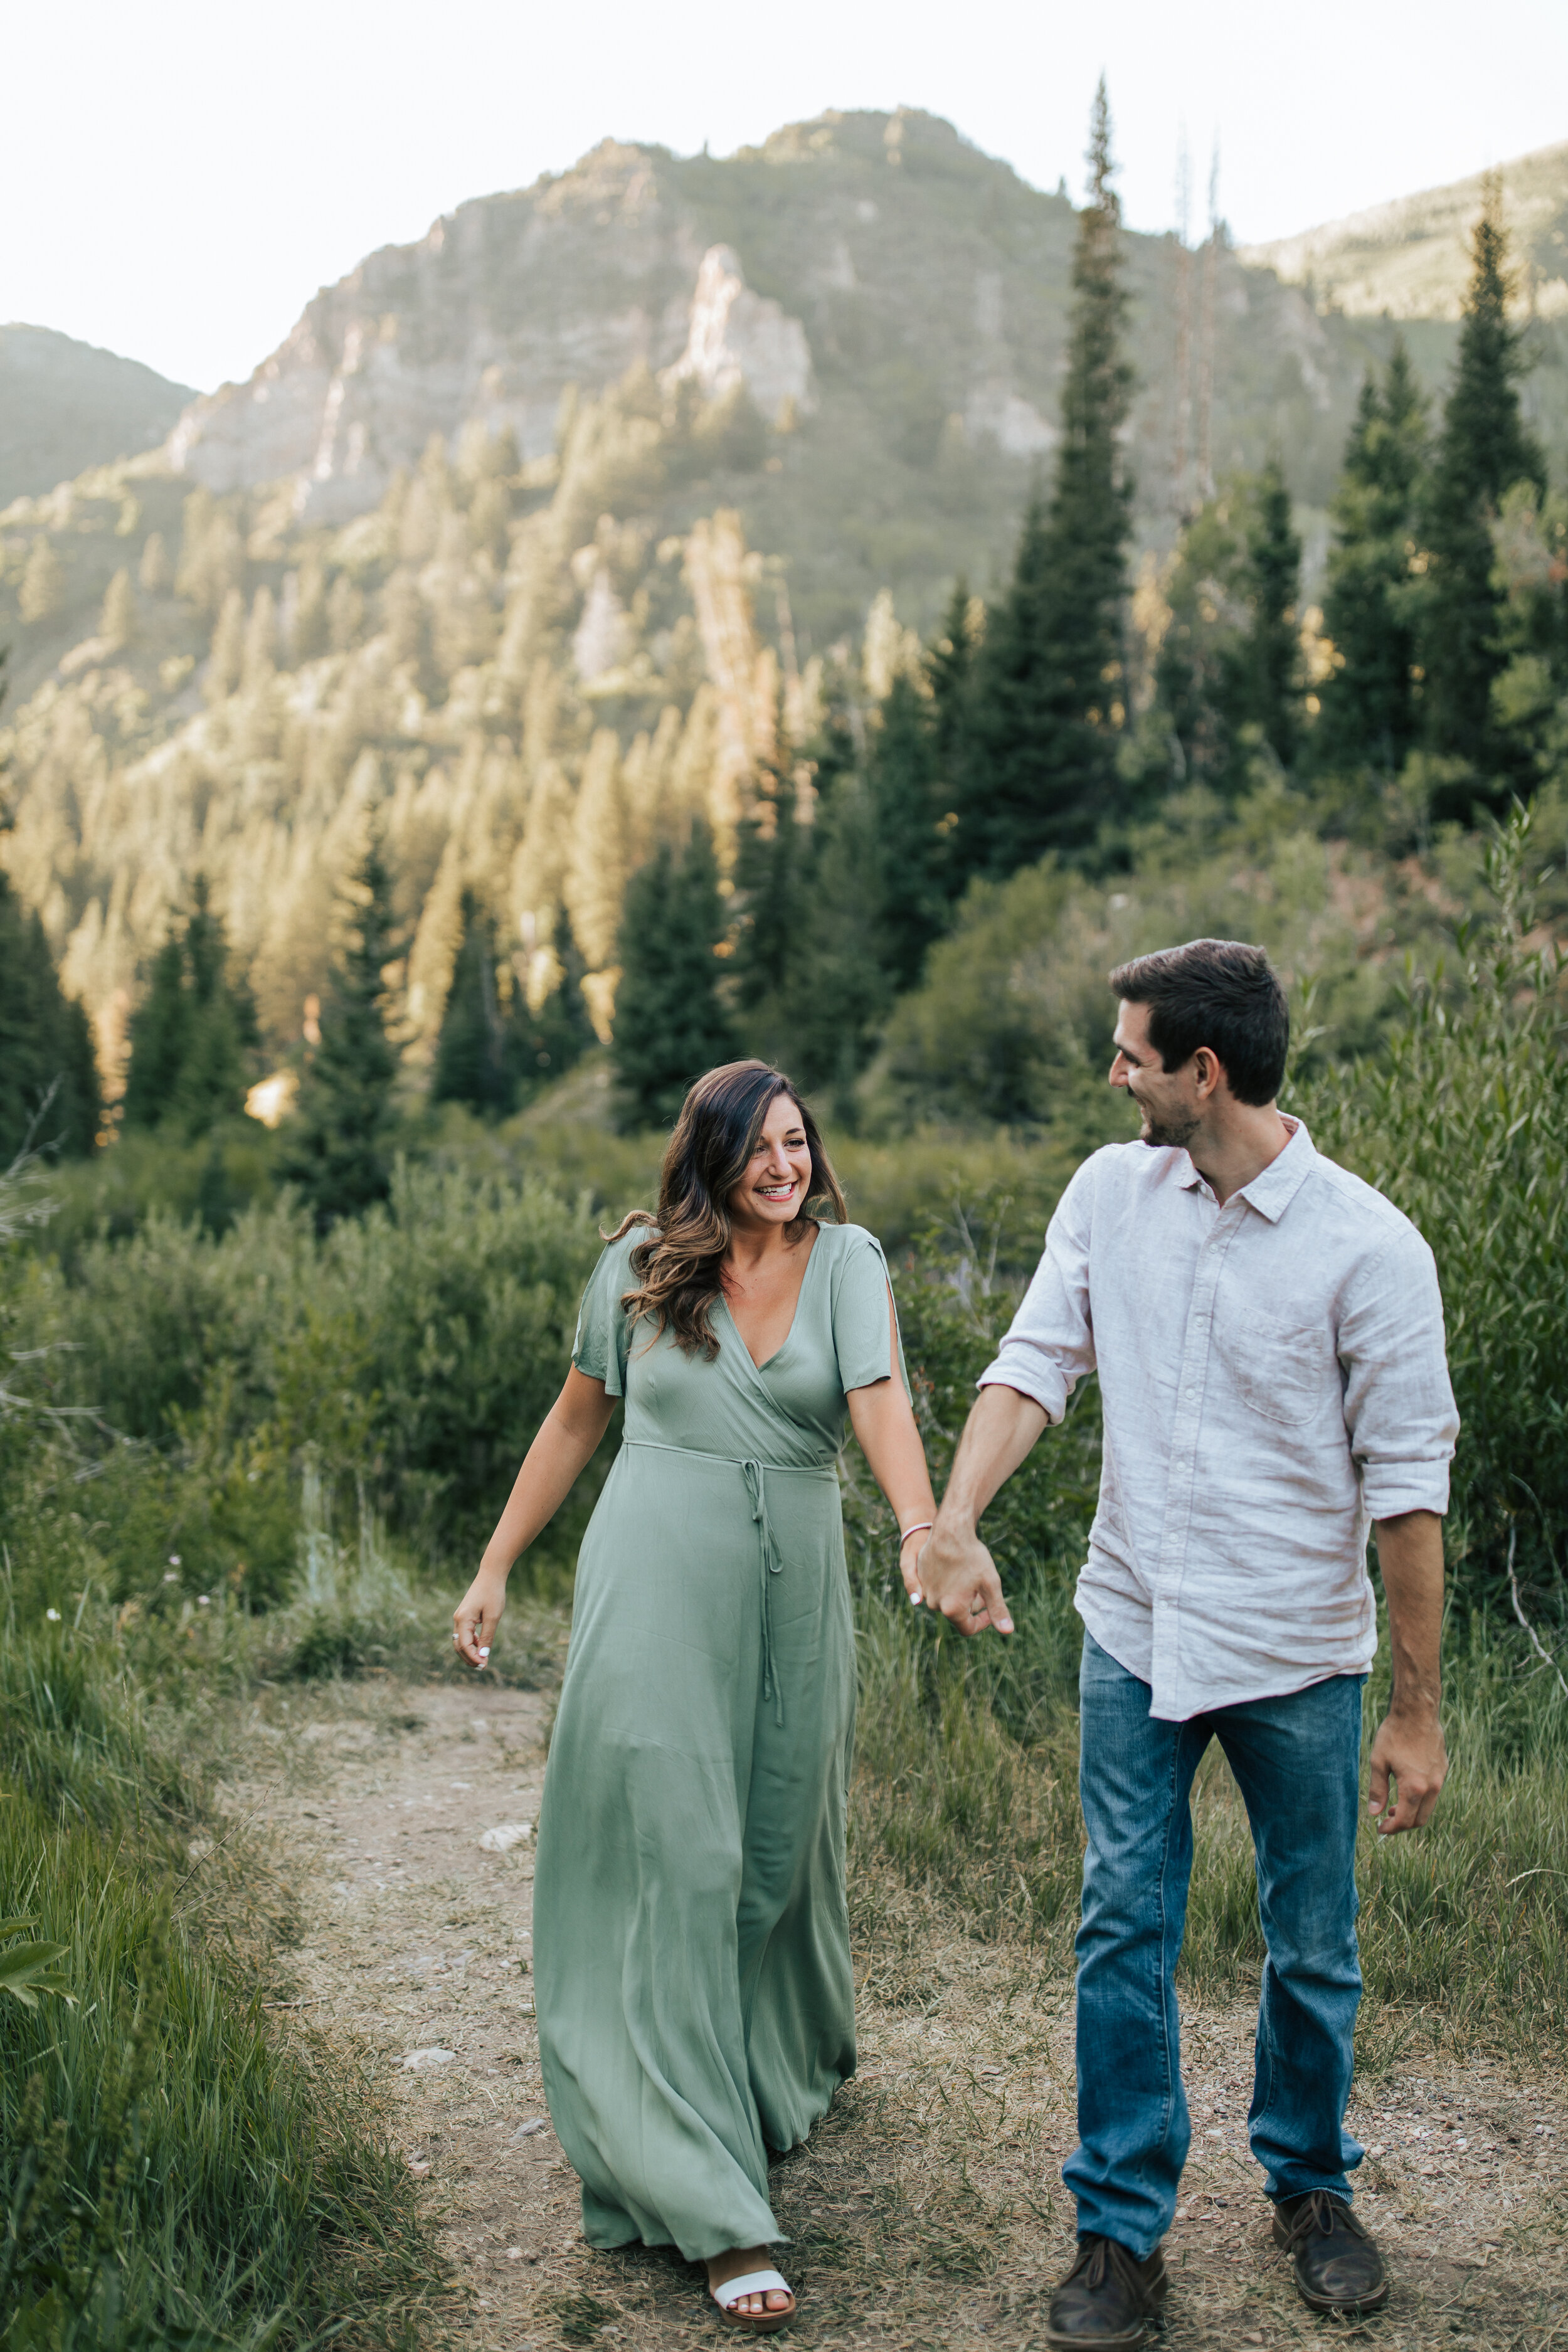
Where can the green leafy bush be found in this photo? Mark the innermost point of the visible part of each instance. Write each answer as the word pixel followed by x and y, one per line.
pixel 416 1351
pixel 1462 1121
pixel 1013 1020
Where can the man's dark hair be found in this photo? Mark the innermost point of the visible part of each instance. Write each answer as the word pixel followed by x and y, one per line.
pixel 1219 994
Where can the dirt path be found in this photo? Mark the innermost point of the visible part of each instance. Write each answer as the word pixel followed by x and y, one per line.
pixel 928 2209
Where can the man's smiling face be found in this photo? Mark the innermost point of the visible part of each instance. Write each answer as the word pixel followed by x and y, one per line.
pixel 1167 1099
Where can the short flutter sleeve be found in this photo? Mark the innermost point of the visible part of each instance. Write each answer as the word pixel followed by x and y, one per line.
pixel 599 1348
pixel 861 1290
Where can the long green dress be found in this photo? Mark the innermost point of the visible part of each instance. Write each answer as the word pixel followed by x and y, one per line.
pixel 691 1946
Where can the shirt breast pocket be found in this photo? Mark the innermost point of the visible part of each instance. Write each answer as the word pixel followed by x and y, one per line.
pixel 1277 1367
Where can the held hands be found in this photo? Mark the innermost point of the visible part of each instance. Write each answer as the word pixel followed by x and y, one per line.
pixel 476 1615
pixel 954 1573
pixel 1408 1749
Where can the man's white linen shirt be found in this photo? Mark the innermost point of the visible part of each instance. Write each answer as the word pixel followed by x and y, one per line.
pixel 1272 1378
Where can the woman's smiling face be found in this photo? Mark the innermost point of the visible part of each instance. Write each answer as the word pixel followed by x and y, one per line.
pixel 774 1189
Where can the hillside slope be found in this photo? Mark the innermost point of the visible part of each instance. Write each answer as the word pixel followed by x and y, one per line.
pixel 539 536
pixel 65 405
pixel 897 300
pixel 1411 258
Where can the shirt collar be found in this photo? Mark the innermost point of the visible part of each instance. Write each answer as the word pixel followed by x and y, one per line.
pixel 1272 1191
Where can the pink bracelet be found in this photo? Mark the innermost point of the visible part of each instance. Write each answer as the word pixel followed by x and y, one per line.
pixel 920 1528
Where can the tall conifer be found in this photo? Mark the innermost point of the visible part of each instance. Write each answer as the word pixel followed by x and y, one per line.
pixel 1369 707
pixel 342 1154
pixel 46 1044
pixel 905 786
pixel 949 672
pixel 1228 678
pixel 837 987
pixel 1268 659
pixel 1051 692
pixel 471 1060
pixel 160 1030
pixel 671 1023
pixel 194 1035
pixel 1482 450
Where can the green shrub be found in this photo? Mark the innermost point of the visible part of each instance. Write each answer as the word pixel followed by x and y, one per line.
pixel 1462 1121
pixel 416 1351
pixel 1013 1020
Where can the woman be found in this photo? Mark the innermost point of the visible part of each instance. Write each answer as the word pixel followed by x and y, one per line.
pixel 691 1949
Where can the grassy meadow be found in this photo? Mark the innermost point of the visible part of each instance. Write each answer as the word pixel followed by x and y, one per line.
pixel 237 1456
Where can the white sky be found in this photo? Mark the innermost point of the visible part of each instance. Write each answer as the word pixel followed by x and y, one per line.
pixel 179 177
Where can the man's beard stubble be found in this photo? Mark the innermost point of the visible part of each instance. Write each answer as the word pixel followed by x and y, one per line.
pixel 1167 1134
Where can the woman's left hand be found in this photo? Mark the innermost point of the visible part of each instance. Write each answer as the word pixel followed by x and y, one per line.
pixel 910 1563
pixel 476 1615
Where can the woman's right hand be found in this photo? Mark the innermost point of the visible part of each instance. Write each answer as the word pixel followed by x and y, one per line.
pixel 476 1615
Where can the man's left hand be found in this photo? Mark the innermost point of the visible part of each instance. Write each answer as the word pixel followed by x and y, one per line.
pixel 1409 1750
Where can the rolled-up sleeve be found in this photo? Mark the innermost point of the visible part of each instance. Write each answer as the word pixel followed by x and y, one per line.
pixel 1050 1344
pixel 1399 1406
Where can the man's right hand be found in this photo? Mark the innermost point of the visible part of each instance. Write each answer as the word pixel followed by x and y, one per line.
pixel 956 1574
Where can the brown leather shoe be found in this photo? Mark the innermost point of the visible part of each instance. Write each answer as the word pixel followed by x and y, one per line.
pixel 1108 2300
pixel 1337 2266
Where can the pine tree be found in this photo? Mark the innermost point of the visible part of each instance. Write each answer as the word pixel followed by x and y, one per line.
pixel 43 588
pixel 1482 450
pixel 117 626
pixel 1228 682
pixel 543 1044
pixel 193 1036
pixel 671 1023
pixel 949 672
pixel 1050 702
pixel 472 1065
pixel 159 1033
pixel 340 1158
pixel 837 989
pixel 227 655
pixel 906 794
pixel 1007 814
pixel 44 1043
pixel 1267 688
pixel 222 1036
pixel 1370 713
pixel 153 571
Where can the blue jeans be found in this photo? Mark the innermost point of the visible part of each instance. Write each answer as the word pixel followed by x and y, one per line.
pixel 1297 1762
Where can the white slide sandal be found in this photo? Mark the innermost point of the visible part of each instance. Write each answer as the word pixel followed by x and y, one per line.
pixel 761 2323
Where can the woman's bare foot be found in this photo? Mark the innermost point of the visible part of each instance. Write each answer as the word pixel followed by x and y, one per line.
pixel 736 2263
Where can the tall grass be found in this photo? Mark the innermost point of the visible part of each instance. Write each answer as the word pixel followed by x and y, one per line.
pixel 171 2169
pixel 166 2163
pixel 966 1792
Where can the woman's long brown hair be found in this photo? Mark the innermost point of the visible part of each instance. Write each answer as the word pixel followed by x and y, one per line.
pixel 680 1266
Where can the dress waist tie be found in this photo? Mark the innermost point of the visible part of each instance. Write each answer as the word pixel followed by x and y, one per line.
pixel 755 1475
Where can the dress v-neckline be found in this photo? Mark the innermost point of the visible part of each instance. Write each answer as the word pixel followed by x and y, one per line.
pixel 795 1319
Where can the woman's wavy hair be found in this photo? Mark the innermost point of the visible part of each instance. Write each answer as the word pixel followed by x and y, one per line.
pixel 679 1265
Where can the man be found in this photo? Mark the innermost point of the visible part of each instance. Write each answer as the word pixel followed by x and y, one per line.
pixel 1269 1336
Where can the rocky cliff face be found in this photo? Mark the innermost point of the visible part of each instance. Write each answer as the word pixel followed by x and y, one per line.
pixel 487 321
pixel 871 273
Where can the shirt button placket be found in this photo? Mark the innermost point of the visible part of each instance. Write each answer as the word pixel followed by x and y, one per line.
pixel 1169 1682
